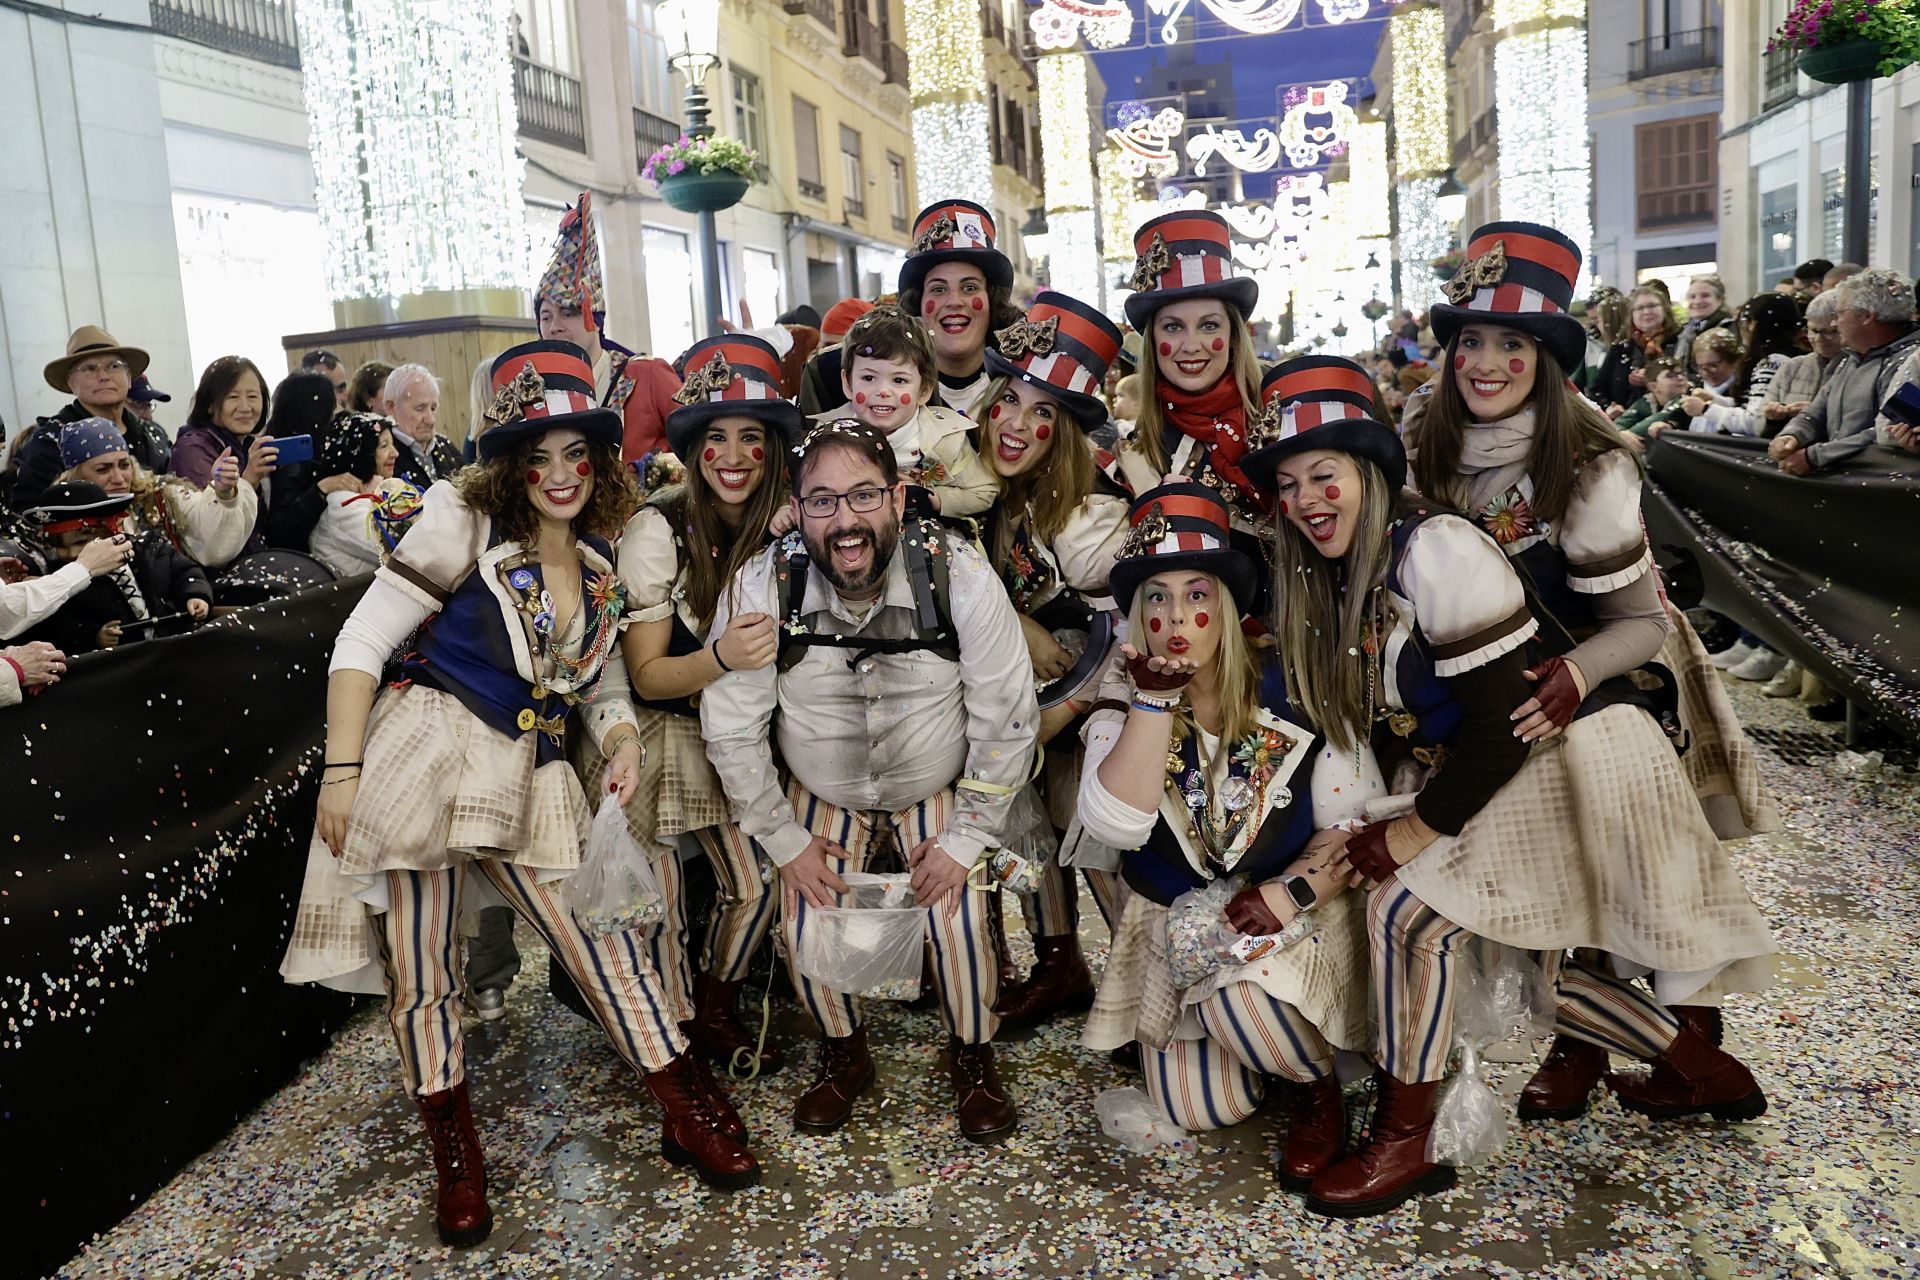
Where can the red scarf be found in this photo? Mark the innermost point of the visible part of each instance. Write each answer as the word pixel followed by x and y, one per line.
pixel 1216 418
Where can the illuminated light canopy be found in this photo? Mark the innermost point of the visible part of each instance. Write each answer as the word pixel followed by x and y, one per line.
pixel 1317 123
pixel 1417 40
pixel 1056 24
pixel 1300 201
pixel 951 129
pixel 1144 143
pixel 1420 237
pixel 1542 129
pixel 413 131
pixel 1231 145
pixel 1367 176
pixel 1256 17
pixel 1073 250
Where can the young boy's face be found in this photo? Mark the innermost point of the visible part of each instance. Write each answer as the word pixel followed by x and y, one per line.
pixel 1669 384
pixel 67 546
pixel 884 393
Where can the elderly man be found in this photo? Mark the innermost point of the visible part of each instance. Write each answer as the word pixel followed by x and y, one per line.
pixel 896 683
pixel 98 372
pixel 1875 318
pixel 412 399
pixel 1800 378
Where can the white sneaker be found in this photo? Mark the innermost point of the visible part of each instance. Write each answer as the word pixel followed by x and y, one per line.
pixel 1765 664
pixel 1786 684
pixel 1728 659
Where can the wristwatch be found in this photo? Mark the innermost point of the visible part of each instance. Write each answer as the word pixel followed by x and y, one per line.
pixel 1300 890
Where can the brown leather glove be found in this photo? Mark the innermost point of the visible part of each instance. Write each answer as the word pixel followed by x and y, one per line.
pixel 1147 680
pixel 1250 914
pixel 1367 853
pixel 1558 695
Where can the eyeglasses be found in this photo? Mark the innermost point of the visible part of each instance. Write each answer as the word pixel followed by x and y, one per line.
pixel 821 506
pixel 1824 332
pixel 94 367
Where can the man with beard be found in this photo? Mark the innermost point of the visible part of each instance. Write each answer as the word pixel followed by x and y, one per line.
pixel 898 686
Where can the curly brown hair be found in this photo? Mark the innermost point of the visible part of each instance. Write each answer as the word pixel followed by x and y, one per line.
pixel 499 488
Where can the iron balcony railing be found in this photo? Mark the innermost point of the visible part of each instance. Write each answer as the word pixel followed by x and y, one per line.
pixel 895 63
pixel 258 29
pixel 820 9
pixel 1695 50
pixel 860 35
pixel 1782 77
pixel 551 109
pixel 650 133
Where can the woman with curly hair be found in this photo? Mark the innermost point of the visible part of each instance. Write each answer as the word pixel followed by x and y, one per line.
pixel 455 777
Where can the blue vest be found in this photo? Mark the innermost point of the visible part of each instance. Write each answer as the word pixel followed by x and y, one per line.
pixel 1159 869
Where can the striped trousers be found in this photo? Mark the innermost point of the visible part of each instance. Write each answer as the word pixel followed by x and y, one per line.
pixel 419 942
pixel 966 966
pixel 1053 910
pixel 1219 1080
pixel 743 909
pixel 1415 953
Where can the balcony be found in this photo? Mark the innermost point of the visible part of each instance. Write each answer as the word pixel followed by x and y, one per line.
pixel 550 105
pixel 650 133
pixel 895 63
pixel 1696 50
pixel 860 35
pixel 1782 78
pixel 993 23
pixel 854 208
pixel 815 191
pixel 820 9
pixel 1478 135
pixel 1682 207
pixel 258 29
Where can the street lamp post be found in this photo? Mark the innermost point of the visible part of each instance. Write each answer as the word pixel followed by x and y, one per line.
pixel 691 31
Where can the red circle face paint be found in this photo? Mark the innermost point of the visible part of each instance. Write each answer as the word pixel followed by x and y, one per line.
pixel 979 304
pixel 1219 344
pixel 994 412
pixel 926 308
pixel 1201 619
pixel 906 399
pixel 859 397
pixel 1333 493
pixel 1166 348
pixel 1153 624
pixel 711 454
pixel 583 469
pixel 1285 509
pixel 1043 432
pixel 1459 362
pixel 1516 366
pixel 758 453
pixel 533 478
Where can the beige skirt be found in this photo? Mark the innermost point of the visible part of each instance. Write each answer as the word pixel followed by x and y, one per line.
pixel 1720 762
pixel 438 787
pixel 1324 976
pixel 678 790
pixel 1599 841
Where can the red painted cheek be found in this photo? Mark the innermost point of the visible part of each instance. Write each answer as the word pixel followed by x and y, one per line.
pixel 583 469
pixel 1166 348
pixel 1219 344
pixel 1043 432
pixel 1333 493
pixel 979 304
pixel 533 479
pixel 1285 509
pixel 906 400
pixel 994 412
pixel 1459 362
pixel 859 397
pixel 711 454
pixel 926 308
pixel 1201 619
pixel 758 453
pixel 1153 624
pixel 1516 367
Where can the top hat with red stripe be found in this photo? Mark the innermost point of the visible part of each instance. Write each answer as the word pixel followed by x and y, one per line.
pixel 1185 254
pixel 1063 347
pixel 954 231
pixel 1319 402
pixel 539 387
pixel 1183 524
pixel 732 375
pixel 1518 275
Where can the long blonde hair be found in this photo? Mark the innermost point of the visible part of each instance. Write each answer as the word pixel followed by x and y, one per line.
pixel 1050 493
pixel 1238 672
pixel 1327 608
pixel 1243 368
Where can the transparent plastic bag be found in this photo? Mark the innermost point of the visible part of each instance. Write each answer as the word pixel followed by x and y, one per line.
pixel 1129 1117
pixel 614 889
pixel 1199 939
pixel 1470 1122
pixel 870 945
pixel 1500 993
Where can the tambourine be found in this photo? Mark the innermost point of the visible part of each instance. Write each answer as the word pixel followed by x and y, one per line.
pixel 1084 632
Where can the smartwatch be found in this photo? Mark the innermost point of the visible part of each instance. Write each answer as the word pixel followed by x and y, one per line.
pixel 1300 890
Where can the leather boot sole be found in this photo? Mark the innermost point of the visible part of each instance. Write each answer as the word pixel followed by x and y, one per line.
pixel 987 1137
pixel 1750 1107
pixel 1573 1111
pixel 860 1087
pixel 1439 1178
pixel 1294 1182
pixel 464 1239
pixel 673 1153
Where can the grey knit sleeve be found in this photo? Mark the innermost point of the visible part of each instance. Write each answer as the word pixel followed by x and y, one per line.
pixel 1633 626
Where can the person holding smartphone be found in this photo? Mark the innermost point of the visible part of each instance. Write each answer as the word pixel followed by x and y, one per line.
pixel 229 407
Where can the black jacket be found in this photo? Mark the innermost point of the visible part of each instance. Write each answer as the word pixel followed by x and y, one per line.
pixel 443 459
pixel 167 579
pixel 39 452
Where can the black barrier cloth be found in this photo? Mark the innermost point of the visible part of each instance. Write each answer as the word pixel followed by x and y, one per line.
pixel 1825 567
pixel 156 812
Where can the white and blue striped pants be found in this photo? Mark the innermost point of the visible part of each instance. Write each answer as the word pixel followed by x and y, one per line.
pixel 743 910
pixel 966 965
pixel 1219 1079
pixel 419 938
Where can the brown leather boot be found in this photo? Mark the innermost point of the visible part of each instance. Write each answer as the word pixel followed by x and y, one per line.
pixel 1392 1167
pixel 1690 1078
pixel 1561 1088
pixel 1704 1019
pixel 724 1115
pixel 1060 983
pixel 1316 1132
pixel 716 1030
pixel 980 1103
pixel 846 1072
pixel 460 1212
pixel 690 1133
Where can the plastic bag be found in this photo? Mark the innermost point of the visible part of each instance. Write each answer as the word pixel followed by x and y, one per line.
pixel 1470 1122
pixel 614 889
pixel 1129 1117
pixel 1852 764
pixel 1199 939
pixel 871 944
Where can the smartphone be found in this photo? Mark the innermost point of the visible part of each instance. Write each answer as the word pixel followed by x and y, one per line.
pixel 293 449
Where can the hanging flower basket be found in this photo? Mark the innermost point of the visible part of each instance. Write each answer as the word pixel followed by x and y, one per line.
pixel 1447 264
pixel 701 175
pixel 1841 41
pixel 692 192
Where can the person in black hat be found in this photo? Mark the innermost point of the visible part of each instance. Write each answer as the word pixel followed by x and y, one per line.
pixel 1404 630
pixel 732 433
pixel 512 564
pixel 1198 723
pixel 153 586
pixel 142 396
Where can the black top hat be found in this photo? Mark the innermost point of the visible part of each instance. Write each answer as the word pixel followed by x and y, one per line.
pixel 1183 524
pixel 1185 254
pixel 732 375
pixel 1518 275
pixel 1063 347
pixel 1319 402
pixel 539 387
pixel 954 231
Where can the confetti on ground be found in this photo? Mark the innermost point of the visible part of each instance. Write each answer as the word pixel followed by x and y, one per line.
pixel 332 1177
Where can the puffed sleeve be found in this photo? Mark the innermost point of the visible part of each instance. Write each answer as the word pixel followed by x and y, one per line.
pixel 444 543
pixel 649 565
pixel 1085 548
pixel 1465 595
pixel 213 530
pixel 1600 535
